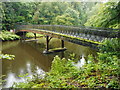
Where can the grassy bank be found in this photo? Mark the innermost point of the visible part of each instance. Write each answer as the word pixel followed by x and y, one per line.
pixel 8 36
pixel 31 35
pixel 102 71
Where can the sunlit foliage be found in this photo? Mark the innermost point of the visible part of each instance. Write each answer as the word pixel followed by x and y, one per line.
pixel 7 56
pixel 63 13
pixel 5 36
pixel 107 16
pixel 30 35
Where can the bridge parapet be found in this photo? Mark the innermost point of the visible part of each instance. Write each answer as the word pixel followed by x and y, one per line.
pixel 83 32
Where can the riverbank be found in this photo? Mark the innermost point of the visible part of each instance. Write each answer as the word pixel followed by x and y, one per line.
pixel 31 35
pixel 99 72
pixel 8 36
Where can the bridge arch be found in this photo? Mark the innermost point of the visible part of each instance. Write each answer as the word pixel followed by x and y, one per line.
pixel 86 36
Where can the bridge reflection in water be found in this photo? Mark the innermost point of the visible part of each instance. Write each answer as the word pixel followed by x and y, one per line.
pixel 86 36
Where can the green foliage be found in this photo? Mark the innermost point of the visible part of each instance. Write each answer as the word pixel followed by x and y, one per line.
pixel 61 69
pixel 102 71
pixel 2 81
pixel 30 34
pixel 58 66
pixel 70 17
pixel 111 46
pixel 63 20
pixel 23 75
pixel 107 16
pixel 47 12
pixel 5 36
pixel 63 13
pixel 23 85
pixel 16 13
pixel 7 56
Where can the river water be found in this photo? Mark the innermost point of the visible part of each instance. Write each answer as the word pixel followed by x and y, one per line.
pixel 30 60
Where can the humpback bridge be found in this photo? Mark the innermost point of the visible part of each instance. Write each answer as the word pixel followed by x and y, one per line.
pixel 86 36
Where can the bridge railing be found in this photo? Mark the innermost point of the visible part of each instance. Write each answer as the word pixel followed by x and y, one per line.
pixel 87 31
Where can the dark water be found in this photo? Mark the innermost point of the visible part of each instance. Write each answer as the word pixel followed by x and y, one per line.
pixel 30 59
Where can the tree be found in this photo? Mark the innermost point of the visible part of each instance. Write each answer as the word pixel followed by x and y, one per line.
pixel 70 17
pixel 47 11
pixel 16 12
pixel 107 16
pixel 64 20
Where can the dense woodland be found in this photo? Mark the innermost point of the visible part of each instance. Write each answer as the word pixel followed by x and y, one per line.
pixel 93 14
pixel 103 71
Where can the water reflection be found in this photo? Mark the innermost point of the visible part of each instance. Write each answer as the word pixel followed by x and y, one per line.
pixel 81 62
pixel 27 60
pixel 10 79
pixel 13 78
pixel 29 68
pixel 30 59
pixel 78 50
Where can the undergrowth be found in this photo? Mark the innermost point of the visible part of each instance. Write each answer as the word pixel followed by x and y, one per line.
pixel 101 72
pixel 8 36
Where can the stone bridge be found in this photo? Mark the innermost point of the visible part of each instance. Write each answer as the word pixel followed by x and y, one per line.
pixel 87 36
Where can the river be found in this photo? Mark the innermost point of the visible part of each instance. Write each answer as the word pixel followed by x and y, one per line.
pixel 29 58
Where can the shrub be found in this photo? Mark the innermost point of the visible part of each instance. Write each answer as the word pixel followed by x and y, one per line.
pixel 5 36
pixel 111 46
pixel 30 35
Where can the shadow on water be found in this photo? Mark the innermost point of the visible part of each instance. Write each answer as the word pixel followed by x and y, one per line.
pixel 30 59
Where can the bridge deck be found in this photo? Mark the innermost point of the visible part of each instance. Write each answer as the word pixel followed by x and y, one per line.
pixel 83 36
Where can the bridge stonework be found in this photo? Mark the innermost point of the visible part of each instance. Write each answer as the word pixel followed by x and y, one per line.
pixel 86 36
